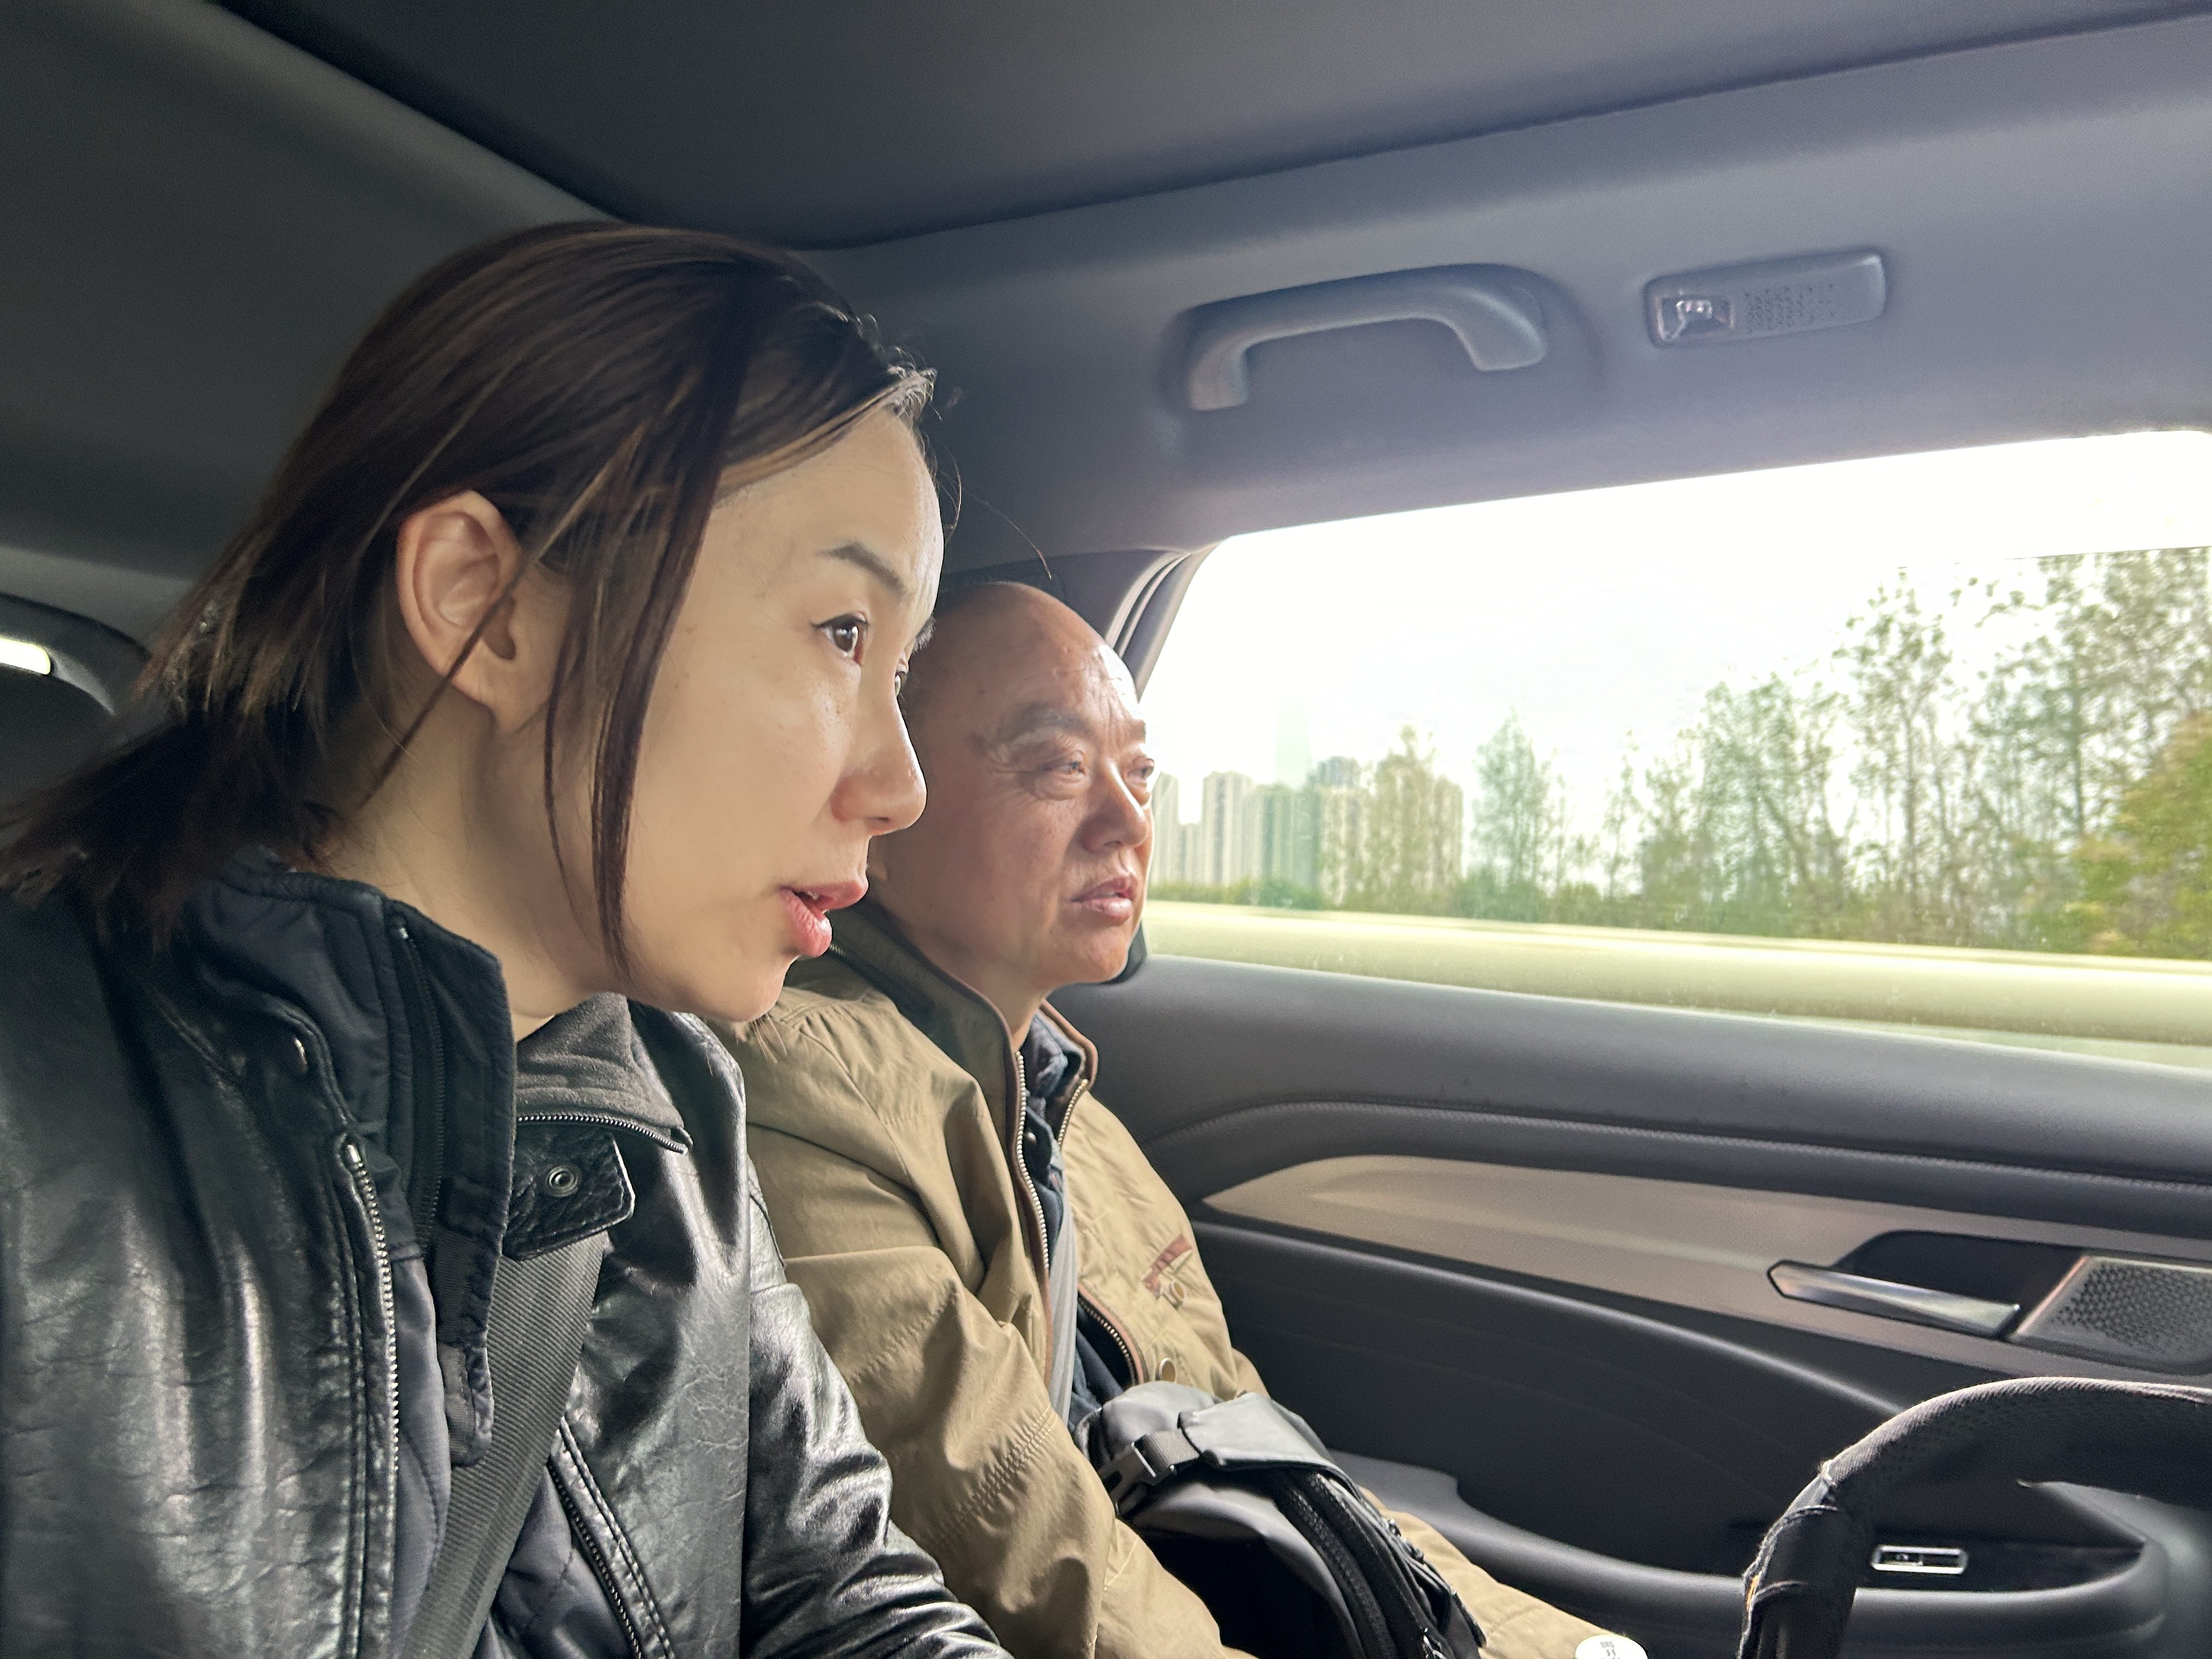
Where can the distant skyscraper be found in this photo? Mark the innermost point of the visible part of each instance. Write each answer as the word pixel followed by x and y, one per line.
pixel 1230 830
pixel 1190 850
pixel 1293 743
pixel 1338 772
pixel 1167 830
pixel 1290 834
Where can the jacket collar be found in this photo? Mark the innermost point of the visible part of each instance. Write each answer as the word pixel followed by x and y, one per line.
pixel 951 1013
pixel 407 1024
pixel 589 1066
pixel 390 992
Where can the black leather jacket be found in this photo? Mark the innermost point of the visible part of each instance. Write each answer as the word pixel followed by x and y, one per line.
pixel 229 1384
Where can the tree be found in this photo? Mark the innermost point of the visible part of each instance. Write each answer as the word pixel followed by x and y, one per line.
pixel 2062 802
pixel 1410 839
pixel 1518 817
pixel 1774 860
pixel 2148 886
pixel 1901 705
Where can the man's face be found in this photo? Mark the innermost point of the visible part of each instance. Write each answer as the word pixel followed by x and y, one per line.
pixel 1026 871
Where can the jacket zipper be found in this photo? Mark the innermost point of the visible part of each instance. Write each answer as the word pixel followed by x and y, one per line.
pixel 364 1188
pixel 433 1097
pixel 1075 1094
pixel 1017 1116
pixel 1113 1326
pixel 581 1532
pixel 386 1299
pixel 605 1121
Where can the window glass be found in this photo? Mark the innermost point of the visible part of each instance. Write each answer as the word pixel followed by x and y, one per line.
pixel 22 655
pixel 1921 741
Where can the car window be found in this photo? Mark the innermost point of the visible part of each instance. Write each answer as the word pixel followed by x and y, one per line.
pixel 1920 741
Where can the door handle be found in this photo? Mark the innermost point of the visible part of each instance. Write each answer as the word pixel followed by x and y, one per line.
pixel 1886 1298
pixel 1498 322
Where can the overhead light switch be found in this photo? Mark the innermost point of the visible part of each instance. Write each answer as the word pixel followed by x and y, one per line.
pixel 1757 301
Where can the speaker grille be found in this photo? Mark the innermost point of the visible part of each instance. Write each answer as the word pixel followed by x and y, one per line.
pixel 2153 1315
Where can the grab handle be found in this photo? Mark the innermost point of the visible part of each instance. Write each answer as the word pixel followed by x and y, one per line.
pixel 1498 322
pixel 1886 1298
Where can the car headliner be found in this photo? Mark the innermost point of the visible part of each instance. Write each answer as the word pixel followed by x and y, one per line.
pixel 832 124
pixel 201 216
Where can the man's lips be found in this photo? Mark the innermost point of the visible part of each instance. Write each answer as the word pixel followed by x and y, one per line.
pixel 809 907
pixel 1116 899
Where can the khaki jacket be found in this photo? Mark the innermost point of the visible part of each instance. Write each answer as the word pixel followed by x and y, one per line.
pixel 882 1130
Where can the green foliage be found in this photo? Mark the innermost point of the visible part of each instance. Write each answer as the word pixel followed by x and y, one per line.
pixel 2147 884
pixel 1272 892
pixel 1278 894
pixel 2062 801
pixel 1974 816
pixel 1404 857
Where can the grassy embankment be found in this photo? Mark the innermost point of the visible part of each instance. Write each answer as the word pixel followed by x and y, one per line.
pixel 2126 1007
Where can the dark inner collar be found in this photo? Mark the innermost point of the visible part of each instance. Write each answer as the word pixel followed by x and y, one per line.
pixel 589 1063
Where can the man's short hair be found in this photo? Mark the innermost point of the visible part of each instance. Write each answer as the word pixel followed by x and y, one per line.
pixel 954 604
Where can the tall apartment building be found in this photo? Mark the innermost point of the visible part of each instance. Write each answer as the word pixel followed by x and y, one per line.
pixel 1381 835
pixel 1230 830
pixel 1289 835
pixel 1167 828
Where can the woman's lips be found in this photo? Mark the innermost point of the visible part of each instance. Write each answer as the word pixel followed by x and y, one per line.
pixel 809 909
pixel 1114 900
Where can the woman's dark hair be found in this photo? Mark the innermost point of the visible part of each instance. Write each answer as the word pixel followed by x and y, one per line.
pixel 601 384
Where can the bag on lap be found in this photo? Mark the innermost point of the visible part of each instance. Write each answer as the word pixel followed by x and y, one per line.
pixel 1238 1500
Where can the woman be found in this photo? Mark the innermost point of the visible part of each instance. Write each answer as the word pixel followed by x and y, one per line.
pixel 552 684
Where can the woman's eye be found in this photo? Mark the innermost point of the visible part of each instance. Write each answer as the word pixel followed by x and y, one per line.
pixel 846 634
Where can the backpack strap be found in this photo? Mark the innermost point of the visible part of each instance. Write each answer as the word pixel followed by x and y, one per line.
pixel 1177 1462
pixel 533 1339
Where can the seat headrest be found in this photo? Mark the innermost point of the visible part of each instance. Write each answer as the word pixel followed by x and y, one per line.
pixel 47 727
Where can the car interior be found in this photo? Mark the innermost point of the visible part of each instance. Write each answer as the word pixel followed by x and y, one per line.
pixel 1593 1287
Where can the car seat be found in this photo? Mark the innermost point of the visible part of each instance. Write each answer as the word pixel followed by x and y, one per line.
pixel 47 727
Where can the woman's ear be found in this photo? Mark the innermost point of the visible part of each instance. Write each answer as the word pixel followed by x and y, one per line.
pixel 457 567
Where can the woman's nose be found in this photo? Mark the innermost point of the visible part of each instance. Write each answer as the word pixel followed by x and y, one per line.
pixel 886 789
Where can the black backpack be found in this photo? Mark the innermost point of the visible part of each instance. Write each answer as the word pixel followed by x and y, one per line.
pixel 1238 1499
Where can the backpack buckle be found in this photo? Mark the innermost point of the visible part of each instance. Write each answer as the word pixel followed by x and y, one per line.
pixel 1148 1462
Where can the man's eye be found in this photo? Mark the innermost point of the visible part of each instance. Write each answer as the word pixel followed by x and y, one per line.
pixel 846 634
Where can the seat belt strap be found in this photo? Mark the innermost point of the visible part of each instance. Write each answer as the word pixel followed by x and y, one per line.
pixel 532 1342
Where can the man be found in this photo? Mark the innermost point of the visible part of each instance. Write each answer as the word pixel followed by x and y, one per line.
pixel 973 1231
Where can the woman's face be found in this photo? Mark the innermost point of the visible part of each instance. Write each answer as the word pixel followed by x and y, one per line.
pixel 773 750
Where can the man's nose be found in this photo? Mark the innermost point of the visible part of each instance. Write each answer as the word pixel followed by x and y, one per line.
pixel 1119 818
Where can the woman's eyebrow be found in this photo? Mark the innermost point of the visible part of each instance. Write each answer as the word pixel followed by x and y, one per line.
pixel 872 561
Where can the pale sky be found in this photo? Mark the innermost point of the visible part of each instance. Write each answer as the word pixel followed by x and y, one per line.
pixel 1609 612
